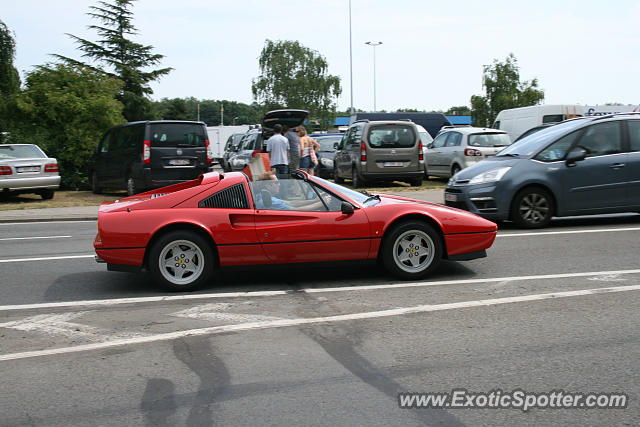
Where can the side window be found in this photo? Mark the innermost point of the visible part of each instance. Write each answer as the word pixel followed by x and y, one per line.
pixel 557 150
pixel 634 134
pixel 454 139
pixel 496 125
pixel 552 118
pixel 440 140
pixel 601 139
pixel 357 135
pixel 105 145
pixel 332 202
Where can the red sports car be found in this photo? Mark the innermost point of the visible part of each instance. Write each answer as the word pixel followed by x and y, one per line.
pixel 183 232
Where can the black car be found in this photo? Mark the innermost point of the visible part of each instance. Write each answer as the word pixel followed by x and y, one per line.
pixel 138 156
pixel 326 153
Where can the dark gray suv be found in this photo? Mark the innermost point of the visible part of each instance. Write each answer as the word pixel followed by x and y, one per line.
pixel 578 167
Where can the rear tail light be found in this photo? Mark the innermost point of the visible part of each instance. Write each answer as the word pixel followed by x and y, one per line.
pixel 363 152
pixel 209 151
pixel 51 167
pixel 471 152
pixel 5 170
pixel 420 153
pixel 146 152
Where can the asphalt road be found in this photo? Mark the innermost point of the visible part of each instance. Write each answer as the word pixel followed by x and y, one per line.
pixel 334 344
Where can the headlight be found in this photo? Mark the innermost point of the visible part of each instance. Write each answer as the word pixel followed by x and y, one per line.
pixel 327 162
pixel 490 175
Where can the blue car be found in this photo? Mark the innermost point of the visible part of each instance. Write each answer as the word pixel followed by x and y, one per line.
pixel 582 166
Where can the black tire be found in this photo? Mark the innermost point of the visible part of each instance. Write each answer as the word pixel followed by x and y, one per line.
pixel 46 194
pixel 131 186
pixel 187 249
pixel 357 182
pixel 95 185
pixel 417 182
pixel 337 178
pixel 412 250
pixel 532 207
pixel 455 169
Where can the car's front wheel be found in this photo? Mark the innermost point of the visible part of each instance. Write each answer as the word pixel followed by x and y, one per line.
pixel 355 178
pixel 46 194
pixel 181 261
pixel 337 178
pixel 412 250
pixel 532 208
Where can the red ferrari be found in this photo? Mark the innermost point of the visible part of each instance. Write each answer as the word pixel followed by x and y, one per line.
pixel 183 232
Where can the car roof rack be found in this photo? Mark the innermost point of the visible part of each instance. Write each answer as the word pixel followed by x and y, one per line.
pixel 361 121
pixel 629 113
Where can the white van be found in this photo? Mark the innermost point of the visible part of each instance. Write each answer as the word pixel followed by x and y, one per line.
pixel 516 121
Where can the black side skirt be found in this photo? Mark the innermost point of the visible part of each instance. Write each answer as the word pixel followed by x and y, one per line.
pixel 468 256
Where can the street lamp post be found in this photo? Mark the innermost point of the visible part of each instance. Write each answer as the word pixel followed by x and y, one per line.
pixel 374 44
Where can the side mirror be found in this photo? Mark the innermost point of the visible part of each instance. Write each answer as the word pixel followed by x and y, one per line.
pixel 575 155
pixel 335 145
pixel 346 208
pixel 430 145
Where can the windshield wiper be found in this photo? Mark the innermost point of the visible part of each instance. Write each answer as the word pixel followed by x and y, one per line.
pixel 371 197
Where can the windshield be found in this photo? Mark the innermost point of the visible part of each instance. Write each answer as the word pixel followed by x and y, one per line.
pixel 489 140
pixel 533 143
pixel 352 194
pixel 21 152
pixel 326 142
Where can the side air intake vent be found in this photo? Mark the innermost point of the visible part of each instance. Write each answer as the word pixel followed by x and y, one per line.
pixel 233 197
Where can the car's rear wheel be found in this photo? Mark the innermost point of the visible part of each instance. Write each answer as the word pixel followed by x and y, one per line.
pixel 455 169
pixel 532 208
pixel 412 250
pixel 416 182
pixel 355 178
pixel 46 194
pixel 337 178
pixel 131 186
pixel 181 261
pixel 95 185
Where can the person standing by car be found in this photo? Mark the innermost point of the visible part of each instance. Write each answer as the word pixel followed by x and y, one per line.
pixel 278 149
pixel 308 148
pixel 294 148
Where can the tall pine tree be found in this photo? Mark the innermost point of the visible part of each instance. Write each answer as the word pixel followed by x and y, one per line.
pixel 120 56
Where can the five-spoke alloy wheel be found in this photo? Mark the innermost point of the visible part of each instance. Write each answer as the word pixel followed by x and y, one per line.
pixel 181 260
pixel 412 250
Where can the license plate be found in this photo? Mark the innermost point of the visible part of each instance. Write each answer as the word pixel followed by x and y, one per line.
pixel 392 164
pixel 179 162
pixel 450 197
pixel 28 169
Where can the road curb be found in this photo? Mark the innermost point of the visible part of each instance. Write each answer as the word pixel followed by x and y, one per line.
pixel 46 219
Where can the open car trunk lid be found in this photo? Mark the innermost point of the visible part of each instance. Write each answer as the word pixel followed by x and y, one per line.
pixel 289 118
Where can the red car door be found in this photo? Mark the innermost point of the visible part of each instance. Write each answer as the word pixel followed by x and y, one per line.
pixel 300 227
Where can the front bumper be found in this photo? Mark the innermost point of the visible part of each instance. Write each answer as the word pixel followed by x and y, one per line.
pixel 484 200
pixel 30 183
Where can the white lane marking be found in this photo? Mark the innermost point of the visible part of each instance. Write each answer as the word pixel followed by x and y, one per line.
pixel 283 323
pixel 31 238
pixel 45 222
pixel 250 294
pixel 212 313
pixel 59 324
pixel 608 278
pixel 549 233
pixel 48 258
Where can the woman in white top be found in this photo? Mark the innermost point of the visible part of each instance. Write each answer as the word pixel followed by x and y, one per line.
pixel 308 148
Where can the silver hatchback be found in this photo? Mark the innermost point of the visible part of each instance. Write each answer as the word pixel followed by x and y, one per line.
pixel 456 148
pixel 25 168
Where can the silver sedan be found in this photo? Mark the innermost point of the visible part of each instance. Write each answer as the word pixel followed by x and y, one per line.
pixel 25 168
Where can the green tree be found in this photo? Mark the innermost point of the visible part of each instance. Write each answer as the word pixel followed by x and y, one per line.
pixel 121 57
pixel 294 76
pixel 461 110
pixel 503 90
pixel 9 77
pixel 65 110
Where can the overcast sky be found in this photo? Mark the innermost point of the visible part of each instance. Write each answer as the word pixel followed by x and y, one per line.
pixel 583 52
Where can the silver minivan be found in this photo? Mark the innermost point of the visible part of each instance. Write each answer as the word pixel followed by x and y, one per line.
pixel 380 151
pixel 456 148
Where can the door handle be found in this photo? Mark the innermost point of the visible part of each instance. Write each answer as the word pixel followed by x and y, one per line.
pixel 617 166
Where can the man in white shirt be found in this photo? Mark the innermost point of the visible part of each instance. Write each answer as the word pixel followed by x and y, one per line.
pixel 278 148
